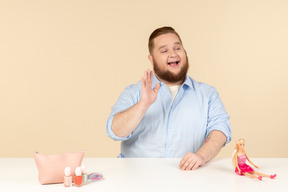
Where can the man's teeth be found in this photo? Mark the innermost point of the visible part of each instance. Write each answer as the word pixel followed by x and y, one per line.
pixel 174 63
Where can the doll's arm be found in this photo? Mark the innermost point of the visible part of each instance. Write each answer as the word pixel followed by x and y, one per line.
pixel 251 162
pixel 236 163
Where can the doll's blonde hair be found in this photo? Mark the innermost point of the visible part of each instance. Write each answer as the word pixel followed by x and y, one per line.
pixel 236 150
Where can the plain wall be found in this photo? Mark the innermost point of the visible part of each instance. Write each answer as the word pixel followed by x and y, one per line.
pixel 63 64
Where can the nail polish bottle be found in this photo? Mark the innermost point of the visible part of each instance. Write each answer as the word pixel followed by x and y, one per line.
pixel 84 175
pixel 78 177
pixel 67 177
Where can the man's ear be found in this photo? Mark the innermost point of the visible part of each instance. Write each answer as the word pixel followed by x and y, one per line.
pixel 150 57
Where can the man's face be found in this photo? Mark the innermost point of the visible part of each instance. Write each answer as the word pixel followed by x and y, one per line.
pixel 169 59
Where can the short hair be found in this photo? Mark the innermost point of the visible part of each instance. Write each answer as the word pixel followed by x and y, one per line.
pixel 158 32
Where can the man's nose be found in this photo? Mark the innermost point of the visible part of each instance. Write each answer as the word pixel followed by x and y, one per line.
pixel 173 53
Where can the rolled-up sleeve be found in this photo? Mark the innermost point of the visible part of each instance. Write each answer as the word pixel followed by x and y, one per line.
pixel 111 134
pixel 124 102
pixel 218 119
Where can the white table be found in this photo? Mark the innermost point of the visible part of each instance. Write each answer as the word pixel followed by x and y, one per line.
pixel 20 174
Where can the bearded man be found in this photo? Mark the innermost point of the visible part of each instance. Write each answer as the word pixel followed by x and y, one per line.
pixel 168 114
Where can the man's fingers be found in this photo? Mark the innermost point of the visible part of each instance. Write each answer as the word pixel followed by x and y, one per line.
pixel 144 79
pixel 182 162
pixel 184 159
pixel 191 161
pixel 190 165
pixel 156 88
pixel 149 76
pixel 185 162
pixel 196 165
pixel 184 165
pixel 143 83
pixel 149 94
pixel 145 75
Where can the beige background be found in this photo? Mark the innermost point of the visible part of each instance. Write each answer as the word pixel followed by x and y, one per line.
pixel 64 63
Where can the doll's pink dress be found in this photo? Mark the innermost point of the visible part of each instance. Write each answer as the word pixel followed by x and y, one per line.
pixel 242 165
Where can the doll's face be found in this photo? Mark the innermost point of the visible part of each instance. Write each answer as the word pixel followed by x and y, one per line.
pixel 241 145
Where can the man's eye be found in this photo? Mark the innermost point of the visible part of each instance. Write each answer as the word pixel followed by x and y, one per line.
pixel 163 51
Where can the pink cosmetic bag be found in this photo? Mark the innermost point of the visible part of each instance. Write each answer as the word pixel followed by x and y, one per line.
pixel 51 167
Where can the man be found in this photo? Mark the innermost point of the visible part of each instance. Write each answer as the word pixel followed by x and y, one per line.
pixel 168 114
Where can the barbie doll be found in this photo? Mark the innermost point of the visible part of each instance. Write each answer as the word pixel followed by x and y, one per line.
pixel 239 161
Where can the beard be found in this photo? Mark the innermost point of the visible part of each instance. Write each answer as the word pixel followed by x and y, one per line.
pixel 170 77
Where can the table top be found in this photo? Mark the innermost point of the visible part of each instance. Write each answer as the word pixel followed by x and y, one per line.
pixel 137 174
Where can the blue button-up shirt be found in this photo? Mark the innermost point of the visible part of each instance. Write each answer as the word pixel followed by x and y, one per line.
pixel 171 128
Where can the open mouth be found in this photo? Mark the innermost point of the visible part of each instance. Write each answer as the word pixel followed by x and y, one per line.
pixel 174 63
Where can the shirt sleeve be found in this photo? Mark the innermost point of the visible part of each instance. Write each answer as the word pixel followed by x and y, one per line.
pixel 126 100
pixel 218 119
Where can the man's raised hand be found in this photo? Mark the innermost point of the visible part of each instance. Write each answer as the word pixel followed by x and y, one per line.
pixel 148 96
